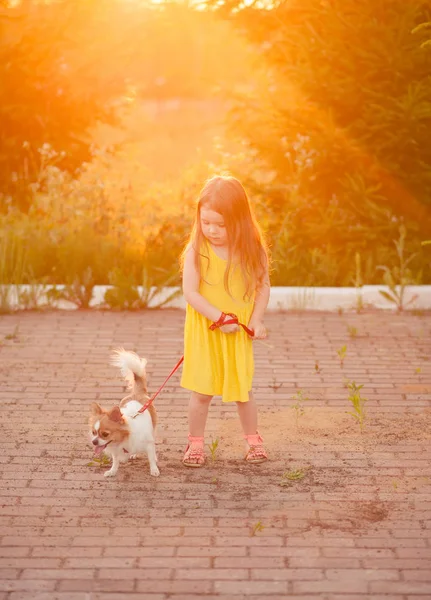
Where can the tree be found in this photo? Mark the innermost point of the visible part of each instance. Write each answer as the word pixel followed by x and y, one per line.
pixel 63 67
pixel 341 115
pixel 67 64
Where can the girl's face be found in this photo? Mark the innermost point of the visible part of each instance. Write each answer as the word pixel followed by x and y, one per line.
pixel 213 227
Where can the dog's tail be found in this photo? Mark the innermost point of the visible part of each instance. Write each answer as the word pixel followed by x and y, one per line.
pixel 132 368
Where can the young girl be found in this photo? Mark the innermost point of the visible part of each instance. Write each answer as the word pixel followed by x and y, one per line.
pixel 225 271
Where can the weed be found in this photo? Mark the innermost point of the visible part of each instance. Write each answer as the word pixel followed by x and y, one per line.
pixel 298 407
pixel 358 283
pixel 32 297
pixel 303 299
pixel 213 448
pixel 103 461
pixel 14 335
pixel 125 294
pixel 257 527
pixel 342 354
pixel 317 369
pixel 353 332
pixel 418 370
pixel 79 290
pixel 13 269
pixel 398 277
pixel 291 476
pixel 358 403
pixel 148 296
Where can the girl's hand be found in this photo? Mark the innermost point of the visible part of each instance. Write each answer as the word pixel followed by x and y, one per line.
pixel 229 328
pixel 259 330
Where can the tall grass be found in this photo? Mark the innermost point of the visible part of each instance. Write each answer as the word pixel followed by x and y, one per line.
pixel 13 268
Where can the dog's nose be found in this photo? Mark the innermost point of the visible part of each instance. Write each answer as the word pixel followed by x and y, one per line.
pixel 95 442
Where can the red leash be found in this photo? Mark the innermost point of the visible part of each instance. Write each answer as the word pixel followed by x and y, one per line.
pixel 233 320
pixel 154 396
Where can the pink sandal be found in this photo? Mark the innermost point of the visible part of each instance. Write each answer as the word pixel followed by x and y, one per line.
pixel 256 452
pixel 194 455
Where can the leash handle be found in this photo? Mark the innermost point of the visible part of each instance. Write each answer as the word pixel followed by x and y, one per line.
pixel 233 320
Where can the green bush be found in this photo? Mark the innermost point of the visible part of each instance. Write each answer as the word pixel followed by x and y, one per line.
pixel 77 226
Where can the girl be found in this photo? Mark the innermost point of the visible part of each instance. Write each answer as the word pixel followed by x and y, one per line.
pixel 225 270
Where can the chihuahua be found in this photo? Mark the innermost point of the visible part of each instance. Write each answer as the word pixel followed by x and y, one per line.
pixel 122 432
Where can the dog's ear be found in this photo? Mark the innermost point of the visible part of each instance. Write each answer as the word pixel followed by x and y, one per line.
pixel 115 414
pixel 96 409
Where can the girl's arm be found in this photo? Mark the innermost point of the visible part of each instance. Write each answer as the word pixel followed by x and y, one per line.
pixel 260 304
pixel 191 280
pixel 261 301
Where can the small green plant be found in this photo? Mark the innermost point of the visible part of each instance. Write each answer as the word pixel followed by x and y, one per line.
pixel 78 291
pixel 148 296
pixel 398 277
pixel 418 370
pixel 357 281
pixel 257 527
pixel 342 354
pixel 353 332
pixel 124 294
pixel 31 298
pixel 102 461
pixel 317 369
pixel 214 480
pixel 14 335
pixel 291 476
pixel 395 484
pixel 358 403
pixel 303 299
pixel 127 295
pixel 298 407
pixel 213 448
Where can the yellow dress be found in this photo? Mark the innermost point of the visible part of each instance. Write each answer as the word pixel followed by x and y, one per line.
pixel 216 363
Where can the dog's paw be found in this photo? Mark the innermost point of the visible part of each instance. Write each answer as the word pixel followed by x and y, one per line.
pixel 110 473
pixel 133 457
pixel 155 471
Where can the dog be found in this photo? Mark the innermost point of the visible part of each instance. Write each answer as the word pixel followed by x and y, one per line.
pixel 118 432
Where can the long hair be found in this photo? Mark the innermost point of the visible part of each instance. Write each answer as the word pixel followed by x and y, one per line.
pixel 246 246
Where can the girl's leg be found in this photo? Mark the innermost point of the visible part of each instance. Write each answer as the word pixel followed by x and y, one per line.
pixel 198 413
pixel 247 412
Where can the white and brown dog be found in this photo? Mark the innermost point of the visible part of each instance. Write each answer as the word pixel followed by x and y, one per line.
pixel 120 432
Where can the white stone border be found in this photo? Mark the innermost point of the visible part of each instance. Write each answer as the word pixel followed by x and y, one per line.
pixel 282 298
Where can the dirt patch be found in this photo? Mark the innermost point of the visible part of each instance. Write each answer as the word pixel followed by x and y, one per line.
pixel 353 516
pixel 324 427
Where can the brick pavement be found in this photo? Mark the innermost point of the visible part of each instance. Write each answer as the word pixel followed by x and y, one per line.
pixel 355 524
